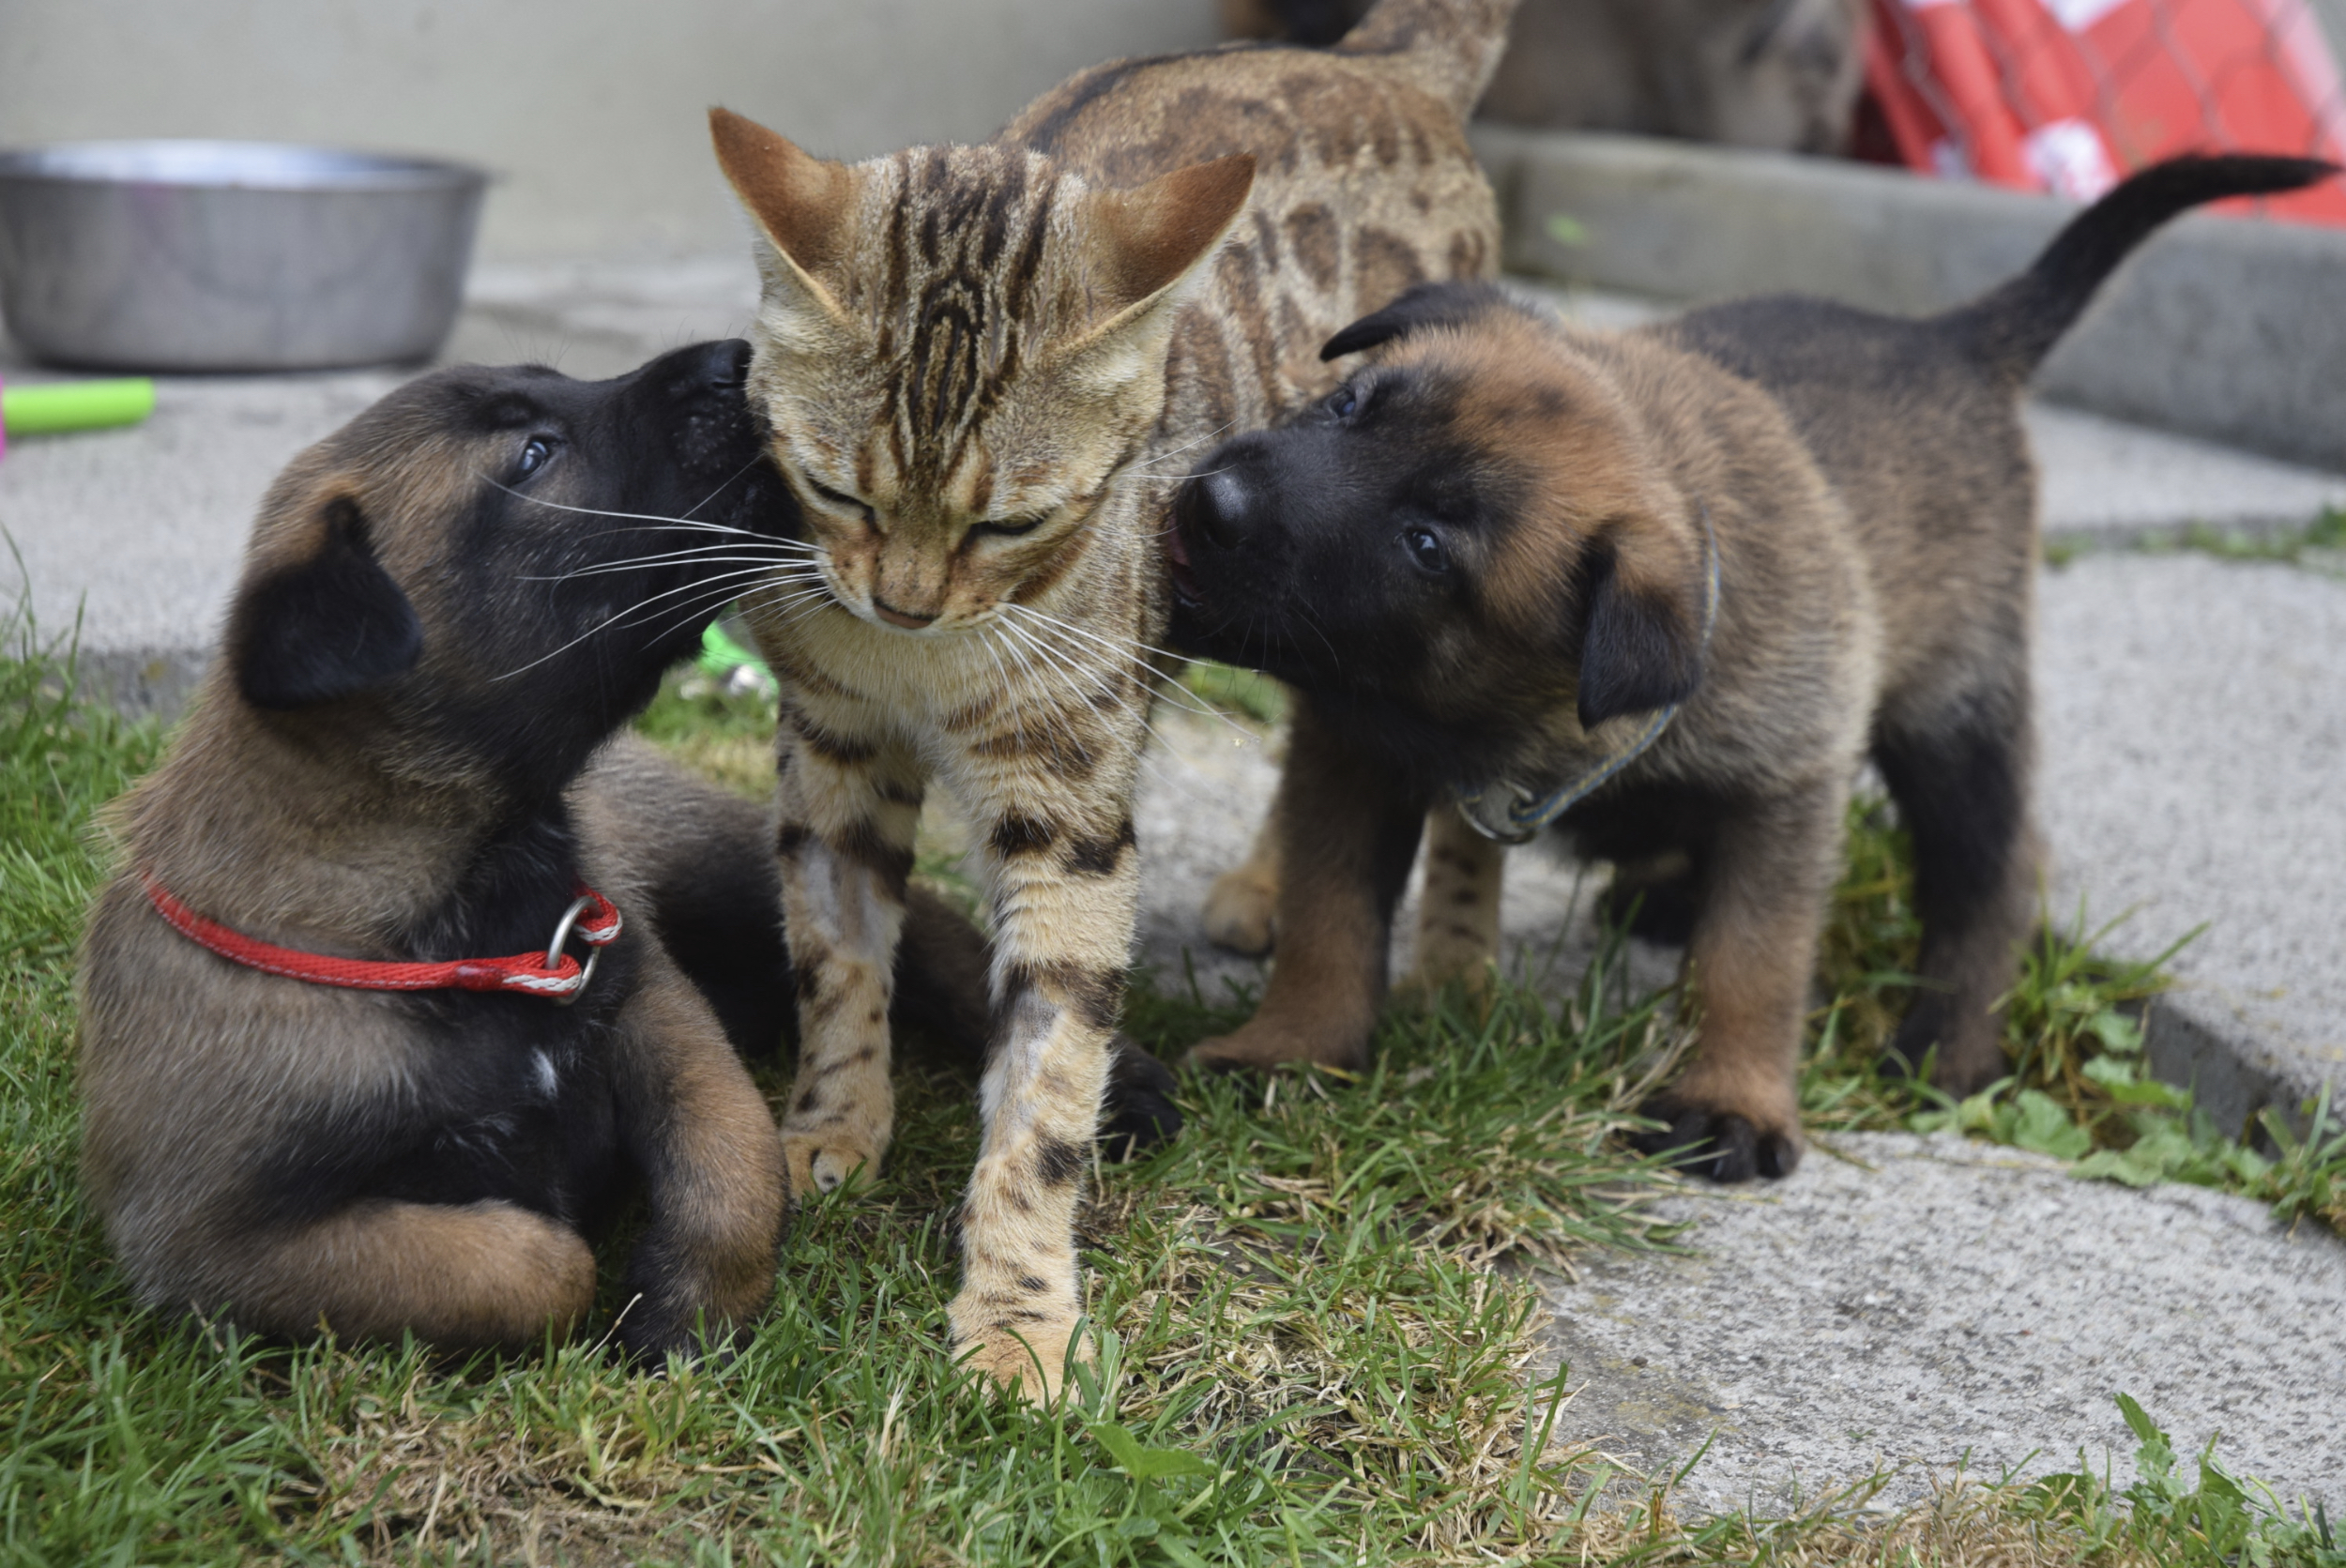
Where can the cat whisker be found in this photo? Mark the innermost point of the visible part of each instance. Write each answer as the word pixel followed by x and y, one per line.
pixel 1084 674
pixel 697 555
pixel 1166 688
pixel 621 617
pixel 1149 462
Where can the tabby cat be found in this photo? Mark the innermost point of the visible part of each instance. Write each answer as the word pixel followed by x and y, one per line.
pixel 986 368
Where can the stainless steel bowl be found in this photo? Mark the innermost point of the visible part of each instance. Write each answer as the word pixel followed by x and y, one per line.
pixel 231 256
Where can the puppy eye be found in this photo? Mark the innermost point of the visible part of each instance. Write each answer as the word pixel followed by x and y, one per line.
pixel 536 453
pixel 1344 403
pixel 1009 527
pixel 1427 551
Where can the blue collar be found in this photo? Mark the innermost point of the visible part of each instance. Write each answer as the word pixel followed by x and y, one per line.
pixel 1516 817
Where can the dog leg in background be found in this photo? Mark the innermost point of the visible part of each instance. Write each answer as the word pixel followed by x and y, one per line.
pixel 695 1124
pixel 848 813
pixel 1348 834
pixel 460 1277
pixel 1962 790
pixel 1457 911
pixel 1735 1110
pixel 1241 907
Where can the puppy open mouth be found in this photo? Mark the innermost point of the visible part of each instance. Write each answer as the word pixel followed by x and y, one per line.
pixel 1177 558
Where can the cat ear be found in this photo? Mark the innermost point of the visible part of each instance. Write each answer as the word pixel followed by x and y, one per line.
pixel 802 205
pixel 329 625
pixel 1149 240
pixel 1642 617
pixel 1423 306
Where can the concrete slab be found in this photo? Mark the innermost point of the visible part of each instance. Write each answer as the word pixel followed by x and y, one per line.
pixel 2105 481
pixel 2193 716
pixel 2219 327
pixel 1922 1299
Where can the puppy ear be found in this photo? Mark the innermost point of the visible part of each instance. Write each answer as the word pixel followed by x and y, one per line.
pixel 1641 643
pixel 330 626
pixel 1425 305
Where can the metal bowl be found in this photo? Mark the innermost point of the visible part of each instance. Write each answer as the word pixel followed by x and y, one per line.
pixel 231 256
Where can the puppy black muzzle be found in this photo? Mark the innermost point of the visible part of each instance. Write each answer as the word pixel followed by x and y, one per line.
pixel 1231 550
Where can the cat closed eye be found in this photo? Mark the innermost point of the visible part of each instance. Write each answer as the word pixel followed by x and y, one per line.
pixel 839 500
pixel 1009 527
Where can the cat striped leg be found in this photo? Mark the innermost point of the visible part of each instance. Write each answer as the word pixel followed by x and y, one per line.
pixel 848 809
pixel 1067 885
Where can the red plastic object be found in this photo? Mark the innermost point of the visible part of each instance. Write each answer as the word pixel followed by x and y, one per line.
pixel 2069 95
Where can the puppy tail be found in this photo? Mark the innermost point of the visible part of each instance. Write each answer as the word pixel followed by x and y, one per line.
pixel 2017 326
pixel 1448 48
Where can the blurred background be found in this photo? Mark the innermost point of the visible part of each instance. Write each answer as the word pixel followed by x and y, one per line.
pixel 590 110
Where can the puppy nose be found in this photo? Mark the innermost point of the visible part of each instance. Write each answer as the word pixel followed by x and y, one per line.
pixel 1219 505
pixel 725 366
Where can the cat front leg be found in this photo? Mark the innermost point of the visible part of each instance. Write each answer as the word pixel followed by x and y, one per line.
pixel 849 807
pixel 1066 881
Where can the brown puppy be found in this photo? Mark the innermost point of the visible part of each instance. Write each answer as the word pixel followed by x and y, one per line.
pixel 448 607
pixel 1664 590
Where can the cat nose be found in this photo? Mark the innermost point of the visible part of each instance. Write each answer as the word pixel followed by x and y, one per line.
pixel 1220 506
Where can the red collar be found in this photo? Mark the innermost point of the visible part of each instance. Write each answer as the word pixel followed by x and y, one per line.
pixel 595 919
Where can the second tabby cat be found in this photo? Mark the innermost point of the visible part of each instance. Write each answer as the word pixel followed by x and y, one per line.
pixel 984 367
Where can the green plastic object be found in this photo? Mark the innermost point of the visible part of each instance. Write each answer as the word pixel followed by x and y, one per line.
pixel 47 407
pixel 721 655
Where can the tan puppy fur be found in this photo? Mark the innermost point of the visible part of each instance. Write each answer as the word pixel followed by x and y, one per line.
pixel 1667 589
pixel 391 761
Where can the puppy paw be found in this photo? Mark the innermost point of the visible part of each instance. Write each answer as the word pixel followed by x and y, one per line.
pixel 1138 1113
pixel 1260 1045
pixel 1962 1061
pixel 1240 910
pixel 1723 1144
pixel 1661 912
pixel 825 1159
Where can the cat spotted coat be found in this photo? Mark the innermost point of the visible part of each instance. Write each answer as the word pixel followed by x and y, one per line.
pixel 986 368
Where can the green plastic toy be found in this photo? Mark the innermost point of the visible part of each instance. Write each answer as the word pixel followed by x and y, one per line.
pixel 47 408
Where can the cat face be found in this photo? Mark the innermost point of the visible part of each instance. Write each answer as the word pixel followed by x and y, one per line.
pixel 961 352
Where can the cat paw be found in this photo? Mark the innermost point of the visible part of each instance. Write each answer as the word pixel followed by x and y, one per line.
pixel 1422 987
pixel 1725 1143
pixel 1029 1355
pixel 825 1159
pixel 1239 911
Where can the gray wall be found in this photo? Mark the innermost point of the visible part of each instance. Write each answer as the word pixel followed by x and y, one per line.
pixel 590 110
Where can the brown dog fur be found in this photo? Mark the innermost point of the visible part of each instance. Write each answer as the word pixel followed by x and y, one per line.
pixel 1487 561
pixel 386 764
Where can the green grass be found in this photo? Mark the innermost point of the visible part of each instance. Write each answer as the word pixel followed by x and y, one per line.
pixel 2078 1089
pixel 2319 545
pixel 1302 1353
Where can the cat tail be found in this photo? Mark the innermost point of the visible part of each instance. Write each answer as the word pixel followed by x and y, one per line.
pixel 1449 48
pixel 2015 327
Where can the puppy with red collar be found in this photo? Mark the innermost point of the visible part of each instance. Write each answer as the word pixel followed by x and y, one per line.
pixel 378 1020
pixel 1661 591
